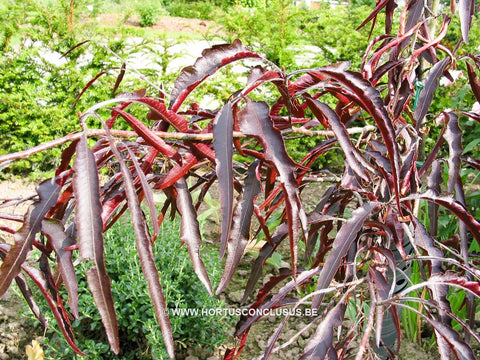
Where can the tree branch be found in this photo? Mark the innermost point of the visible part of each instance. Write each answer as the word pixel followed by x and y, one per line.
pixel 165 135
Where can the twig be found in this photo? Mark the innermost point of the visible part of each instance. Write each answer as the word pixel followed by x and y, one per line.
pixel 165 135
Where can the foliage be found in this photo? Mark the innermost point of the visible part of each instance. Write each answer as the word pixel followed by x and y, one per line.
pixel 40 84
pixel 382 213
pixel 137 325
pixel 281 37
pixel 205 10
pixel 149 12
pixel 272 30
pixel 336 22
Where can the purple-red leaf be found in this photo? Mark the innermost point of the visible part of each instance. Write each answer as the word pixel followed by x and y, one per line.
pixel 149 136
pixel 352 156
pixel 223 145
pixel 453 136
pixel 466 9
pixel 90 235
pixel 321 342
pixel 56 306
pixel 265 252
pixel 424 241
pixel 434 181
pixel 344 239
pixel 48 192
pixel 147 191
pixel 119 78
pixel 450 337
pixel 448 202
pixel 25 290
pixel 177 172
pixel 473 80
pixel 302 278
pixel 383 291
pixel 90 83
pixel 55 232
pixel 211 60
pixel 255 121
pixel 177 121
pixel 426 95
pixel 380 5
pixel 364 94
pixel 145 252
pixel 240 234
pixel 190 231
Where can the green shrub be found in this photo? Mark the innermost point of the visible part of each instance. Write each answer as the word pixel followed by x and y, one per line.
pixel 192 9
pixel 149 13
pixel 140 334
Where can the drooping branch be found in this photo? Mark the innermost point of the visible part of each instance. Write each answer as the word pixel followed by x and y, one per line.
pixel 165 135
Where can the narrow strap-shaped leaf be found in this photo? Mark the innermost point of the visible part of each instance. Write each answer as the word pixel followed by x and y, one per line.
pixel 453 136
pixel 211 60
pixel 178 122
pixel 344 239
pixel 426 95
pixel 351 154
pixel 147 190
pixel 466 9
pixel 415 10
pixel 430 46
pixel 90 235
pixel 449 203
pixel 302 277
pixel 383 292
pixel 379 6
pixel 371 66
pixel 48 192
pixel 24 289
pixel 190 232
pixel 122 106
pixel 259 76
pixel 29 298
pixel 452 340
pixel 473 80
pixel 241 230
pixel 434 181
pixel 90 83
pixel 55 232
pixel 424 241
pixel 39 280
pixel 120 76
pixel 369 98
pixel 145 253
pixel 177 172
pixel 255 121
pixel 265 252
pixel 322 341
pixel 150 137
pixel 223 145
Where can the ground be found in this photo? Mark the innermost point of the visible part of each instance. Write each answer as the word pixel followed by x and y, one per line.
pixel 14 334
pixel 166 23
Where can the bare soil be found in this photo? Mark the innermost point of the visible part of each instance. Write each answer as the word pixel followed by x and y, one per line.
pixel 14 334
pixel 165 23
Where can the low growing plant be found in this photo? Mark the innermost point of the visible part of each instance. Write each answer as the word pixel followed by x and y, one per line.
pixel 365 230
pixel 136 321
pixel 149 13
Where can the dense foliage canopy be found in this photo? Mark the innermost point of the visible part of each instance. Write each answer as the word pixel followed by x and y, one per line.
pixel 351 254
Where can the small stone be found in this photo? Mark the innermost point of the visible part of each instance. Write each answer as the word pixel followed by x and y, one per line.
pixel 235 296
pixel 191 357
